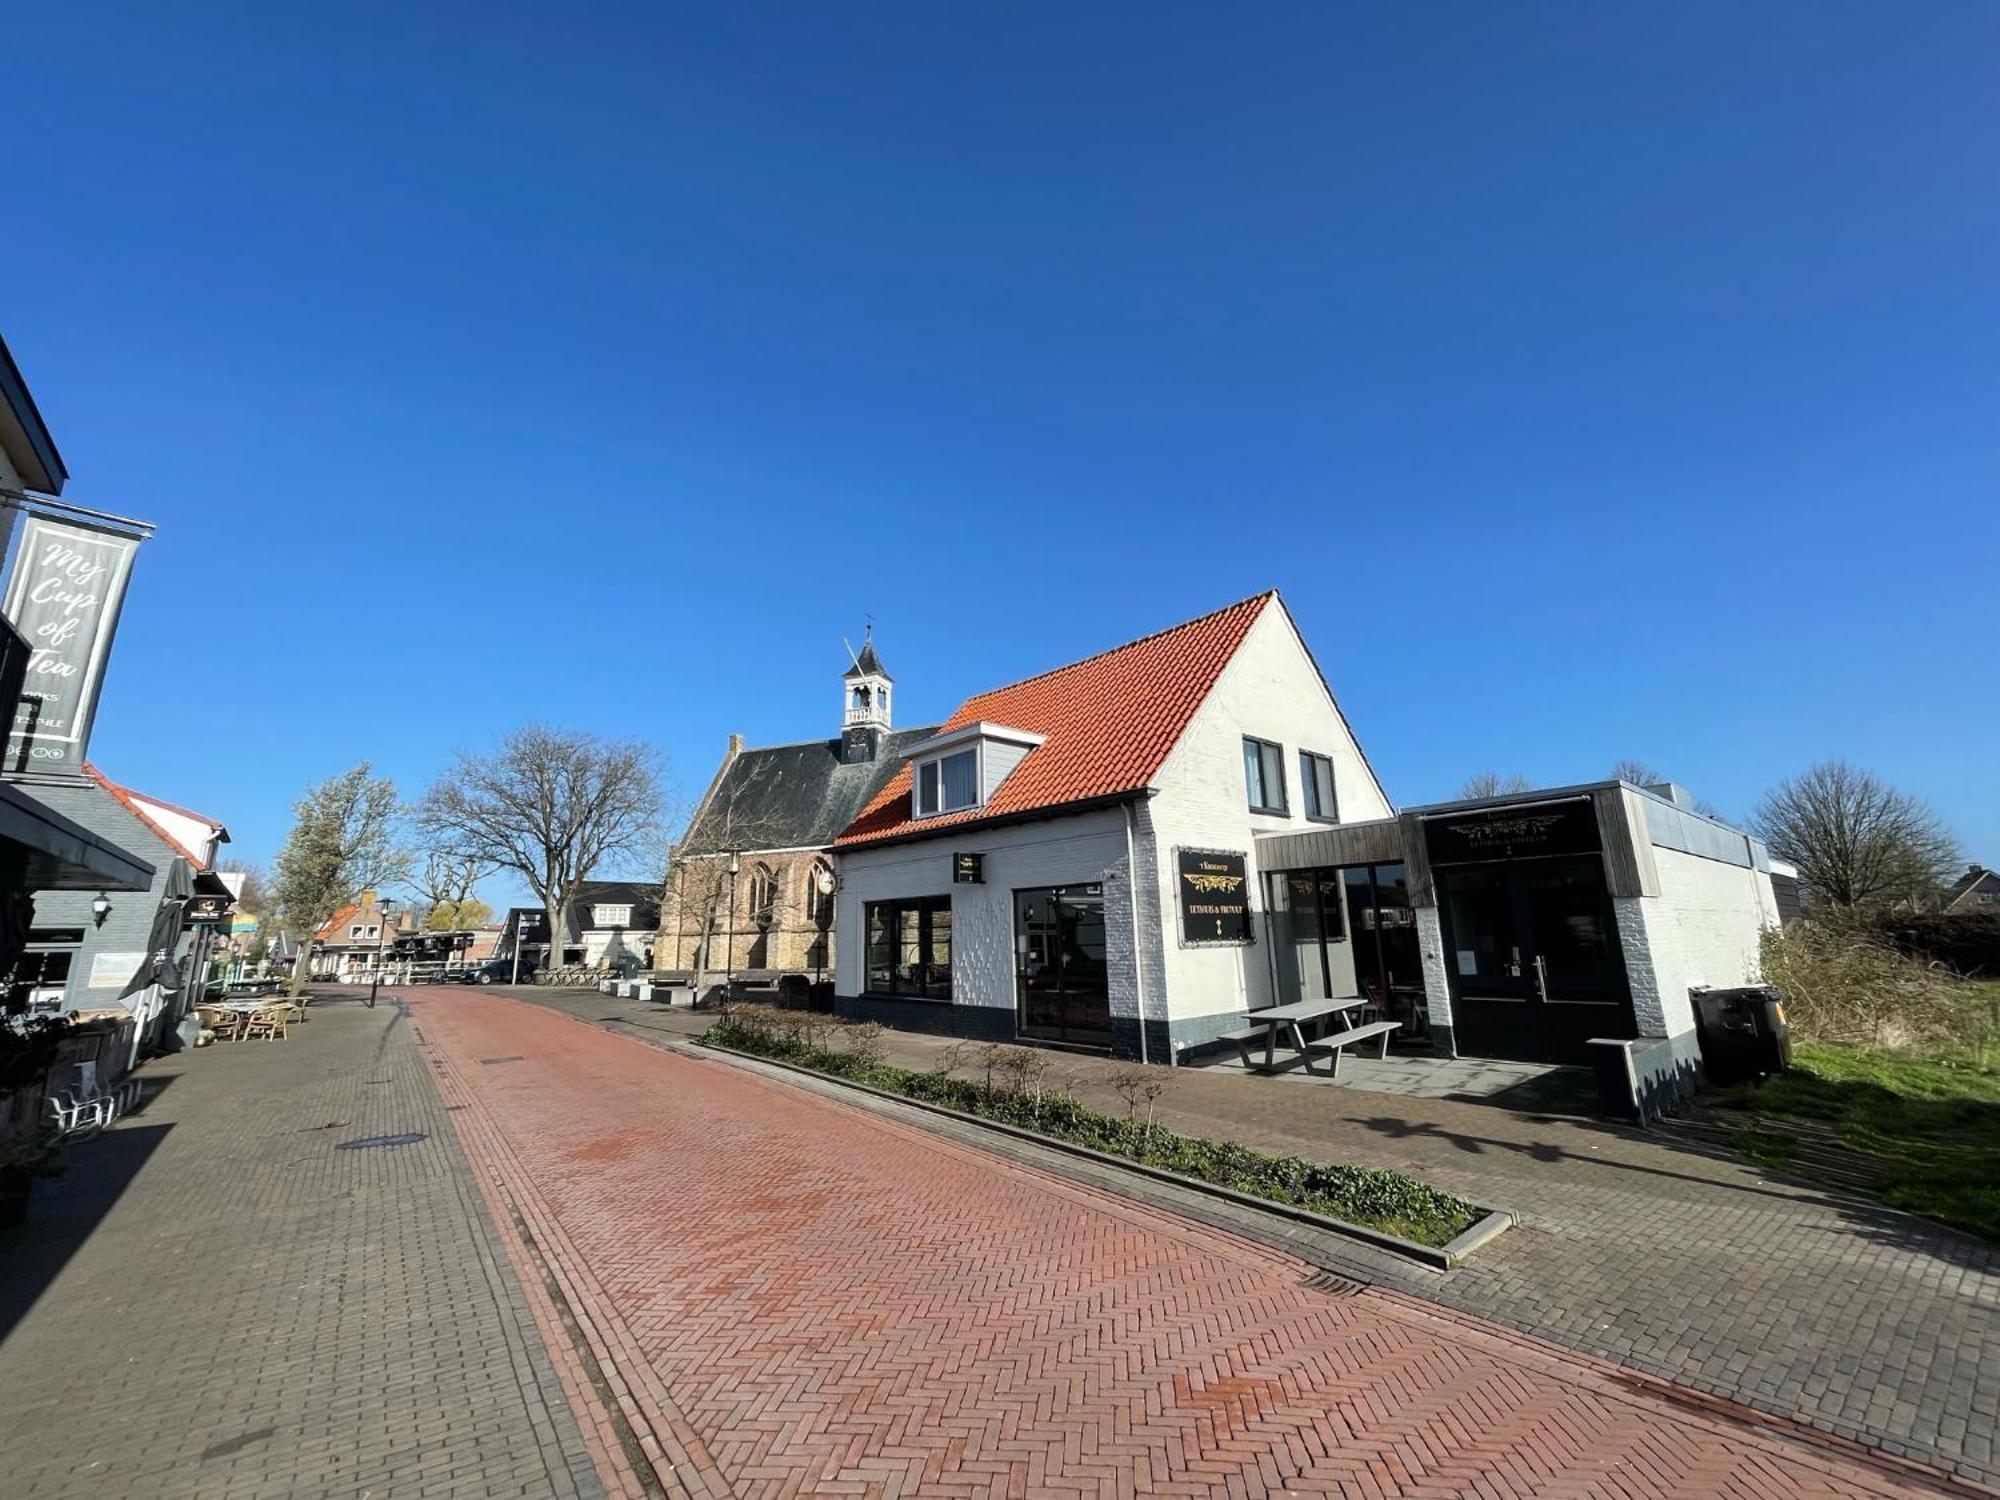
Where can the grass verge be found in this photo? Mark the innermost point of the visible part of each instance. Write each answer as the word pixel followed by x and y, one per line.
pixel 1931 1126
pixel 1386 1201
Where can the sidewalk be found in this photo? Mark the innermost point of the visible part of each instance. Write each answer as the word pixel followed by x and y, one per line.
pixel 218 1302
pixel 804 1295
pixel 1865 1322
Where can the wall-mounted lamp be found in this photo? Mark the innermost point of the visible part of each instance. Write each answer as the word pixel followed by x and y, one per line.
pixel 100 908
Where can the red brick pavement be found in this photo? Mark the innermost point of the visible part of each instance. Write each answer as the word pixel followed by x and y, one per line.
pixel 766 1293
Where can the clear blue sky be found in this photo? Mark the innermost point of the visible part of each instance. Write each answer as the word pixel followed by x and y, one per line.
pixel 1595 381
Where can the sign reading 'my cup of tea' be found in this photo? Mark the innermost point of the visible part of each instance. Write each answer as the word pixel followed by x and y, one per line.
pixel 64 597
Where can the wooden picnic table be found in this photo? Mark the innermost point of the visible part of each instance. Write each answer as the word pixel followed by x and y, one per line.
pixel 1296 1016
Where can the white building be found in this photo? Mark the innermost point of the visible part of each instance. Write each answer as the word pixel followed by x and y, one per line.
pixel 1132 851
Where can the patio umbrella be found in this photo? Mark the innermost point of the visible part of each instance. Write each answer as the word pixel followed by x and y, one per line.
pixel 159 967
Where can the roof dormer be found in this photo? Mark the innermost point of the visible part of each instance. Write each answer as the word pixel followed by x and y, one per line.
pixel 957 772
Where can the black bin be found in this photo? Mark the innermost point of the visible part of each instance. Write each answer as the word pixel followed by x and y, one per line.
pixel 1743 1033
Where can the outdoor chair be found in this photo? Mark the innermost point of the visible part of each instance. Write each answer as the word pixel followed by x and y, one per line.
pixel 268 1022
pixel 72 1115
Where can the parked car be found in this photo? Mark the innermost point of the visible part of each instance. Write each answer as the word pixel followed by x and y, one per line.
pixel 493 971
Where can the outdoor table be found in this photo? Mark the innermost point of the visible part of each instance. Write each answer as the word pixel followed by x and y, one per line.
pixel 1296 1016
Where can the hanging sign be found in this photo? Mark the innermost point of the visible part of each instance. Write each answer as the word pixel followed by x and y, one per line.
pixel 1215 896
pixel 968 869
pixel 206 911
pixel 64 598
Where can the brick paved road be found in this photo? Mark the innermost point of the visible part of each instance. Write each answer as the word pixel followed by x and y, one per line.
pixel 798 1295
pixel 231 1308
pixel 1869 1323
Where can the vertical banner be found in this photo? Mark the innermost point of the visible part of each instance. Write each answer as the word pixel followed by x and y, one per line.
pixel 68 586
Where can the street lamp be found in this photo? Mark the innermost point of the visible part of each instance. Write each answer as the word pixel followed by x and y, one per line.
pixel 729 932
pixel 384 906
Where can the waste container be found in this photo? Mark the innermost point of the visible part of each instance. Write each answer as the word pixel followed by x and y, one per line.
pixel 1743 1033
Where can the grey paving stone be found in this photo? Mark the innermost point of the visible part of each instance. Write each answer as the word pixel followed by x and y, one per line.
pixel 215 1301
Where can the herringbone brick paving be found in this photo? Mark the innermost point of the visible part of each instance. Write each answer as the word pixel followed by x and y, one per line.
pixel 802 1297
pixel 217 1303
pixel 1869 1323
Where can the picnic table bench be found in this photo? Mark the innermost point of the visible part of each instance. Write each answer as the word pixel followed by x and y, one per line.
pixel 1266 1024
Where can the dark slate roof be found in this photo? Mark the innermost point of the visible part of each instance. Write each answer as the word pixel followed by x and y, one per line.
pixel 867 663
pixel 643 896
pixel 794 796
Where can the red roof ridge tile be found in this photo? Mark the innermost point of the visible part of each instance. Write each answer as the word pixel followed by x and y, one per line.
pixel 125 798
pixel 1107 733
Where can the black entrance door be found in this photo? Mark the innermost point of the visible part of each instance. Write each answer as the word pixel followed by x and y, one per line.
pixel 1535 964
pixel 1062 991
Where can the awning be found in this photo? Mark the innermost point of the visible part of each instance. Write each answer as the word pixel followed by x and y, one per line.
pixel 63 855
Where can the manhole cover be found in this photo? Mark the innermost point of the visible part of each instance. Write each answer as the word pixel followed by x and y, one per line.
pixel 370 1142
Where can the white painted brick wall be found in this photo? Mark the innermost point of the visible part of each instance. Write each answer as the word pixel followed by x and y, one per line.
pixel 1269 690
pixel 1719 912
pixel 1062 851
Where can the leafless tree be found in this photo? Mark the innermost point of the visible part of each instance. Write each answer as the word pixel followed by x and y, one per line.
pixel 255 896
pixel 446 884
pixel 553 806
pixel 1856 840
pixel 1493 784
pixel 701 887
pixel 342 843
pixel 1637 772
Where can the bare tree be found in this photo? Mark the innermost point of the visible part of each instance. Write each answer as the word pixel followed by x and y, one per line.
pixel 1856 840
pixel 255 895
pixel 1637 772
pixel 342 843
pixel 1493 784
pixel 553 806
pixel 446 885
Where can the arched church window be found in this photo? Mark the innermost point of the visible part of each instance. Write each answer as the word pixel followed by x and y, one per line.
pixel 763 896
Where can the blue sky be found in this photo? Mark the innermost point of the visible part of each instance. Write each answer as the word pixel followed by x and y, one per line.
pixel 1595 381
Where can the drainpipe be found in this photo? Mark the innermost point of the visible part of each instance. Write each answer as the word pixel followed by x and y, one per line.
pixel 1138 962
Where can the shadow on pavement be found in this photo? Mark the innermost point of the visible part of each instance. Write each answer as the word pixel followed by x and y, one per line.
pixel 66 1210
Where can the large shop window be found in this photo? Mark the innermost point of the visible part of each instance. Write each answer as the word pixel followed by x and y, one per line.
pixel 909 947
pixel 1316 776
pixel 948 784
pixel 1264 770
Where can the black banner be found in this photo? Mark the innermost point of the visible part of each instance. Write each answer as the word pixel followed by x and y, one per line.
pixel 1215 897
pixel 1513 832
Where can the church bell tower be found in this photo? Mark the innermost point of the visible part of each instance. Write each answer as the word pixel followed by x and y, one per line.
pixel 864 723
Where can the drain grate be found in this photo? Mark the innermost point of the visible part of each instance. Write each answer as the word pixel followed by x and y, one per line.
pixel 487 1062
pixel 1331 1285
pixel 371 1142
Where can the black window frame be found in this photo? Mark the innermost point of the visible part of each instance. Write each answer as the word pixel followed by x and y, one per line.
pixel 1309 786
pixel 930 987
pixel 1269 753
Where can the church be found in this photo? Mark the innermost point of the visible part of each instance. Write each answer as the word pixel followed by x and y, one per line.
pixel 751 893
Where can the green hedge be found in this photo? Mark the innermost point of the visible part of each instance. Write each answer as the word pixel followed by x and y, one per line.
pixel 1968 944
pixel 1387 1201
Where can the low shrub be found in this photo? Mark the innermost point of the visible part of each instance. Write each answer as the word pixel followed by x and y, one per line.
pixel 1012 1093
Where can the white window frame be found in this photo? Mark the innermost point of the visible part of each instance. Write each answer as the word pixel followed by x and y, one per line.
pixel 612 916
pixel 977 750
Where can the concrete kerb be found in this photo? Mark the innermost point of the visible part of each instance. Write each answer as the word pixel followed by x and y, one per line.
pixel 1482 1232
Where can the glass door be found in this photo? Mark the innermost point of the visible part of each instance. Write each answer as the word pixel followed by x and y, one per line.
pixel 1062 979
pixel 1536 969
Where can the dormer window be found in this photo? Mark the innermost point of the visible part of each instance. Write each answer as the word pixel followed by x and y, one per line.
pixel 959 770
pixel 948 784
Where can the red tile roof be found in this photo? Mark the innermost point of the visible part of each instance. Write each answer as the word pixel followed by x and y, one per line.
pixel 126 800
pixel 1110 721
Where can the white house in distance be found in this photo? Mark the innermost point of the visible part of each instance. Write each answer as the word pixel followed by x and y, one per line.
pixel 1130 852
